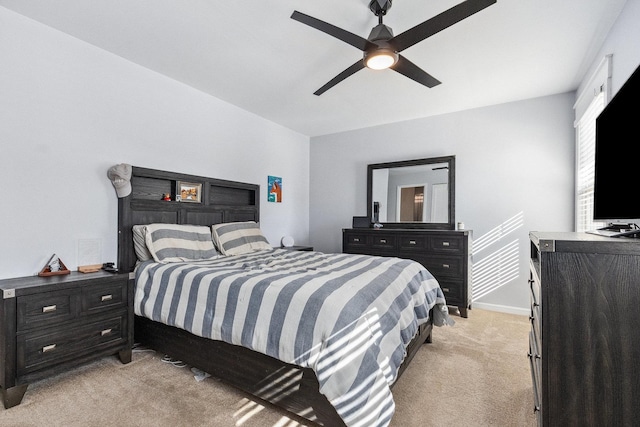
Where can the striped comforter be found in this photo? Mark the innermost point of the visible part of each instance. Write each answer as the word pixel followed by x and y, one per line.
pixel 348 317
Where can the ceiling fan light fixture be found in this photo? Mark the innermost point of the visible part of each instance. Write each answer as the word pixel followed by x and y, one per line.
pixel 380 59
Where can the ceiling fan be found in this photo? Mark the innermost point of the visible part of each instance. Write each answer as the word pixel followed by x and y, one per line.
pixel 382 49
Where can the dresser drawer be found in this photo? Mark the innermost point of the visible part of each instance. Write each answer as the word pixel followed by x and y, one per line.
pixel 46 308
pixel 413 243
pixel 446 244
pixel 536 311
pixel 104 296
pixel 534 287
pixel 445 267
pixel 452 290
pixel 48 347
pixel 356 241
pixel 535 363
pixel 383 241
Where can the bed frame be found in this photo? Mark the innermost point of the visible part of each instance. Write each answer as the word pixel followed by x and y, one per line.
pixel 267 379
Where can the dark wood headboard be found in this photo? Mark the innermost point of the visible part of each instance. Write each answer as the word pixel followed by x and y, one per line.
pixel 221 201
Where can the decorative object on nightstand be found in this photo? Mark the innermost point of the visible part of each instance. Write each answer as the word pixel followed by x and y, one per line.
pixel 287 241
pixel 92 268
pixel 54 267
pixel 52 324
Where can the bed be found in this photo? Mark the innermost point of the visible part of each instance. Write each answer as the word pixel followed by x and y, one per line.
pixel 322 336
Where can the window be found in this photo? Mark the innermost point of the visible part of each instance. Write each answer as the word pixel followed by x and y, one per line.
pixel 594 94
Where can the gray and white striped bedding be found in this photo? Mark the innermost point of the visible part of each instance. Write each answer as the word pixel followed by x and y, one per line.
pixel 348 317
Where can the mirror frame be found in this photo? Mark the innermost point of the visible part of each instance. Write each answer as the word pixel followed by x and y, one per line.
pixel 450 160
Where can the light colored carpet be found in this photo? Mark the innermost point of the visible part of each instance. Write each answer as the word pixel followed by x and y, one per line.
pixel 474 373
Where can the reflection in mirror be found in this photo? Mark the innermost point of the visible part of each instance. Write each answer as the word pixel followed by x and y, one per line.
pixel 413 194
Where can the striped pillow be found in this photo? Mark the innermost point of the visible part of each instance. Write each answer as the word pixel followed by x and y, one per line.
pixel 236 238
pixel 176 243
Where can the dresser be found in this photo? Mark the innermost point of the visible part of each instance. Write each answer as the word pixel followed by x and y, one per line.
pixel 445 253
pixel 50 324
pixel 584 346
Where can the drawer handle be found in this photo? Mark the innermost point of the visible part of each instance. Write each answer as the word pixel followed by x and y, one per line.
pixel 383 241
pixel 106 298
pixel 445 265
pixel 49 308
pixel 445 243
pixel 355 239
pixel 105 332
pixel 412 242
pixel 536 409
pixel 445 289
pixel 48 348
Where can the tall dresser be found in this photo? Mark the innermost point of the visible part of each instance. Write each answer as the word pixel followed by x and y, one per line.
pixel 584 343
pixel 445 253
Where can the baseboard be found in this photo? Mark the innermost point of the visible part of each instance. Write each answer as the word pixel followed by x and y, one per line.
pixel 502 308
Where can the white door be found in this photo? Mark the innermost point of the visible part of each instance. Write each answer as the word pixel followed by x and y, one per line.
pixel 439 203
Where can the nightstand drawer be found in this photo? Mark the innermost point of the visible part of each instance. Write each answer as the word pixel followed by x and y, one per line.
pixel 48 347
pixel 104 296
pixel 46 309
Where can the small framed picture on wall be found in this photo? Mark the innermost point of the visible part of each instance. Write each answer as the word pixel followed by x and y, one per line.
pixel 275 189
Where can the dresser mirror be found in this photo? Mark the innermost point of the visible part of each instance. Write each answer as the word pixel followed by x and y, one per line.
pixel 412 194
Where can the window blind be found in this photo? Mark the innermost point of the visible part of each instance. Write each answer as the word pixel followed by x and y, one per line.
pixel 585 164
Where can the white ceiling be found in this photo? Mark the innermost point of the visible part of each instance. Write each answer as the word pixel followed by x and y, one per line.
pixel 251 54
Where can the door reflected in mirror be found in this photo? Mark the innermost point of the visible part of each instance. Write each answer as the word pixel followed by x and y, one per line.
pixel 412 204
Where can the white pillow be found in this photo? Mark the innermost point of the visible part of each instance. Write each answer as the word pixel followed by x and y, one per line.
pixel 236 238
pixel 176 243
pixel 140 244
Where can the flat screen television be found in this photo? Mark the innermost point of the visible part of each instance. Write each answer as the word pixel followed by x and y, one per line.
pixel 617 169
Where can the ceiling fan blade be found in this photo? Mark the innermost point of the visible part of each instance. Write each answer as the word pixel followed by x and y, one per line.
pixel 438 23
pixel 411 70
pixel 340 77
pixel 344 35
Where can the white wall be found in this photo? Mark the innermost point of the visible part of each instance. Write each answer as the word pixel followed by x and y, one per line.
pixel 514 166
pixel 68 111
pixel 622 43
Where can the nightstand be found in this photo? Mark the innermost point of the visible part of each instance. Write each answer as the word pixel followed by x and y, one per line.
pixel 51 324
pixel 296 248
